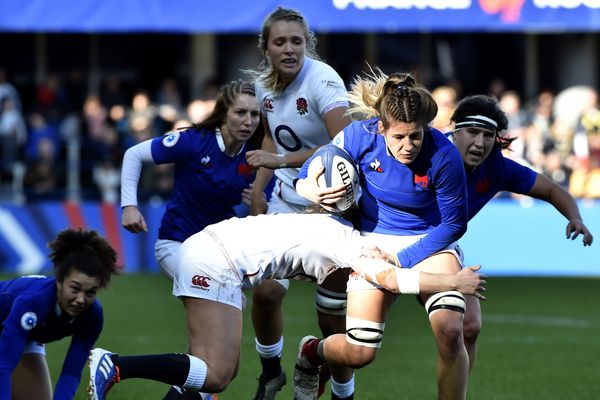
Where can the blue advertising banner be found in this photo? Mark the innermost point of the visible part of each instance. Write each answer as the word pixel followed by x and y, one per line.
pixel 506 238
pixel 194 16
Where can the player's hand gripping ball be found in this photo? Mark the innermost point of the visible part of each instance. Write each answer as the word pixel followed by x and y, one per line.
pixel 340 169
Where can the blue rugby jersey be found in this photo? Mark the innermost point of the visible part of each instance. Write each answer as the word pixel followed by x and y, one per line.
pixel 208 183
pixel 426 197
pixel 497 173
pixel 29 312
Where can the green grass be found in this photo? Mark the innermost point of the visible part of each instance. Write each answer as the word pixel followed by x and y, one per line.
pixel 541 340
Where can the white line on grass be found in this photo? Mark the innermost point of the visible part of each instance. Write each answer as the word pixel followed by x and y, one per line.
pixel 538 320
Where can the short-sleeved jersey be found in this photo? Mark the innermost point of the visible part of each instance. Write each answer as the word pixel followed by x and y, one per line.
pixel 496 174
pixel 208 183
pixel 277 246
pixel 296 115
pixel 427 196
pixel 29 312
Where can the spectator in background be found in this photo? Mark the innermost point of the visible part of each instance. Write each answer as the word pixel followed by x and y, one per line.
pixel 7 89
pixel 445 97
pixel 170 105
pixel 497 87
pixel 43 175
pixel 40 129
pixel 13 132
pixel 112 92
pixel 199 109
pixel 169 94
pixel 569 106
pixel 51 98
pixel 585 181
pixel 142 118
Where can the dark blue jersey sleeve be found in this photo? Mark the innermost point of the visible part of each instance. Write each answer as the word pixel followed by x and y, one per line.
pixel 88 331
pixel 450 186
pixel 496 174
pixel 176 146
pixel 22 318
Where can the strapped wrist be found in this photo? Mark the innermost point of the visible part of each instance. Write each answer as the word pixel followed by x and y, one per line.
pixel 282 163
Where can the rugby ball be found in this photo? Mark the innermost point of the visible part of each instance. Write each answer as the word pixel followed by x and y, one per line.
pixel 340 169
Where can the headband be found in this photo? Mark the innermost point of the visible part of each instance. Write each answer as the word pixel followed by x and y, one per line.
pixel 477 121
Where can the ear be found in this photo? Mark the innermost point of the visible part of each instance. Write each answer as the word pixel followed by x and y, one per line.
pixel 380 127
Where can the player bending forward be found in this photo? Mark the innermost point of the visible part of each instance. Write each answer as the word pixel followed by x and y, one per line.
pixel 219 262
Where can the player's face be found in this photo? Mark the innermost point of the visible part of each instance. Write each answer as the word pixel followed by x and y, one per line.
pixel 76 292
pixel 242 118
pixel 403 139
pixel 286 47
pixel 474 145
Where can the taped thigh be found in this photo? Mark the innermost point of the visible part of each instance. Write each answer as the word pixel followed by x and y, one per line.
pixel 451 300
pixel 330 302
pixel 365 333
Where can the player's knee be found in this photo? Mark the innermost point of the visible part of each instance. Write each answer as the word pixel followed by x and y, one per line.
pixel 361 356
pixel 471 329
pixel 268 294
pixel 217 379
pixel 365 338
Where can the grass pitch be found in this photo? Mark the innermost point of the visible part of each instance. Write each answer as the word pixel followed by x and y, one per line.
pixel 540 340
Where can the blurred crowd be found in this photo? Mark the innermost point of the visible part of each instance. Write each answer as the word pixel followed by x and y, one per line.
pixel 68 144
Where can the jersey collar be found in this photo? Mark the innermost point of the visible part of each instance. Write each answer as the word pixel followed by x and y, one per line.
pixel 221 143
pixel 300 78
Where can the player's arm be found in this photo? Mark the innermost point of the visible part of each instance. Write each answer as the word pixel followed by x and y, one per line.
pixel 134 157
pixel 551 192
pixel 336 120
pixel 12 342
pixel 268 158
pixel 81 344
pixel 377 267
pixel 70 375
pixel 258 201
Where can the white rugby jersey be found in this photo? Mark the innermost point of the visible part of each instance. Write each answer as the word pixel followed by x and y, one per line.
pixel 296 115
pixel 297 246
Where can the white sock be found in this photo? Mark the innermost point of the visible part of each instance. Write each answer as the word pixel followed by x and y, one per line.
pixel 342 389
pixel 197 374
pixel 271 350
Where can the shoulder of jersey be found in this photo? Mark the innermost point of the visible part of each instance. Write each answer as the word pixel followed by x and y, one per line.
pixel 170 139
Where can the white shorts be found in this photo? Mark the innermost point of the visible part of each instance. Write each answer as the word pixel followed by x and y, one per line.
pixel 393 244
pixel 210 277
pixel 279 206
pixel 35 348
pixel 166 252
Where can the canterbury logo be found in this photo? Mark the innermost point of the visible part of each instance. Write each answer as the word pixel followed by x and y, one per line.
pixel 376 166
pixel 200 281
pixel 205 160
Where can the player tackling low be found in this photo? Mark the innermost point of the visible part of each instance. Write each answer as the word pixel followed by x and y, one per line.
pixel 219 262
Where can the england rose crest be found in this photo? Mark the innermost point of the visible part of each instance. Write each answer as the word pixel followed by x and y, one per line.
pixel 302 106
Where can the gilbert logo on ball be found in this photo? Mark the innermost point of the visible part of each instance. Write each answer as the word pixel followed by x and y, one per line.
pixel 340 169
